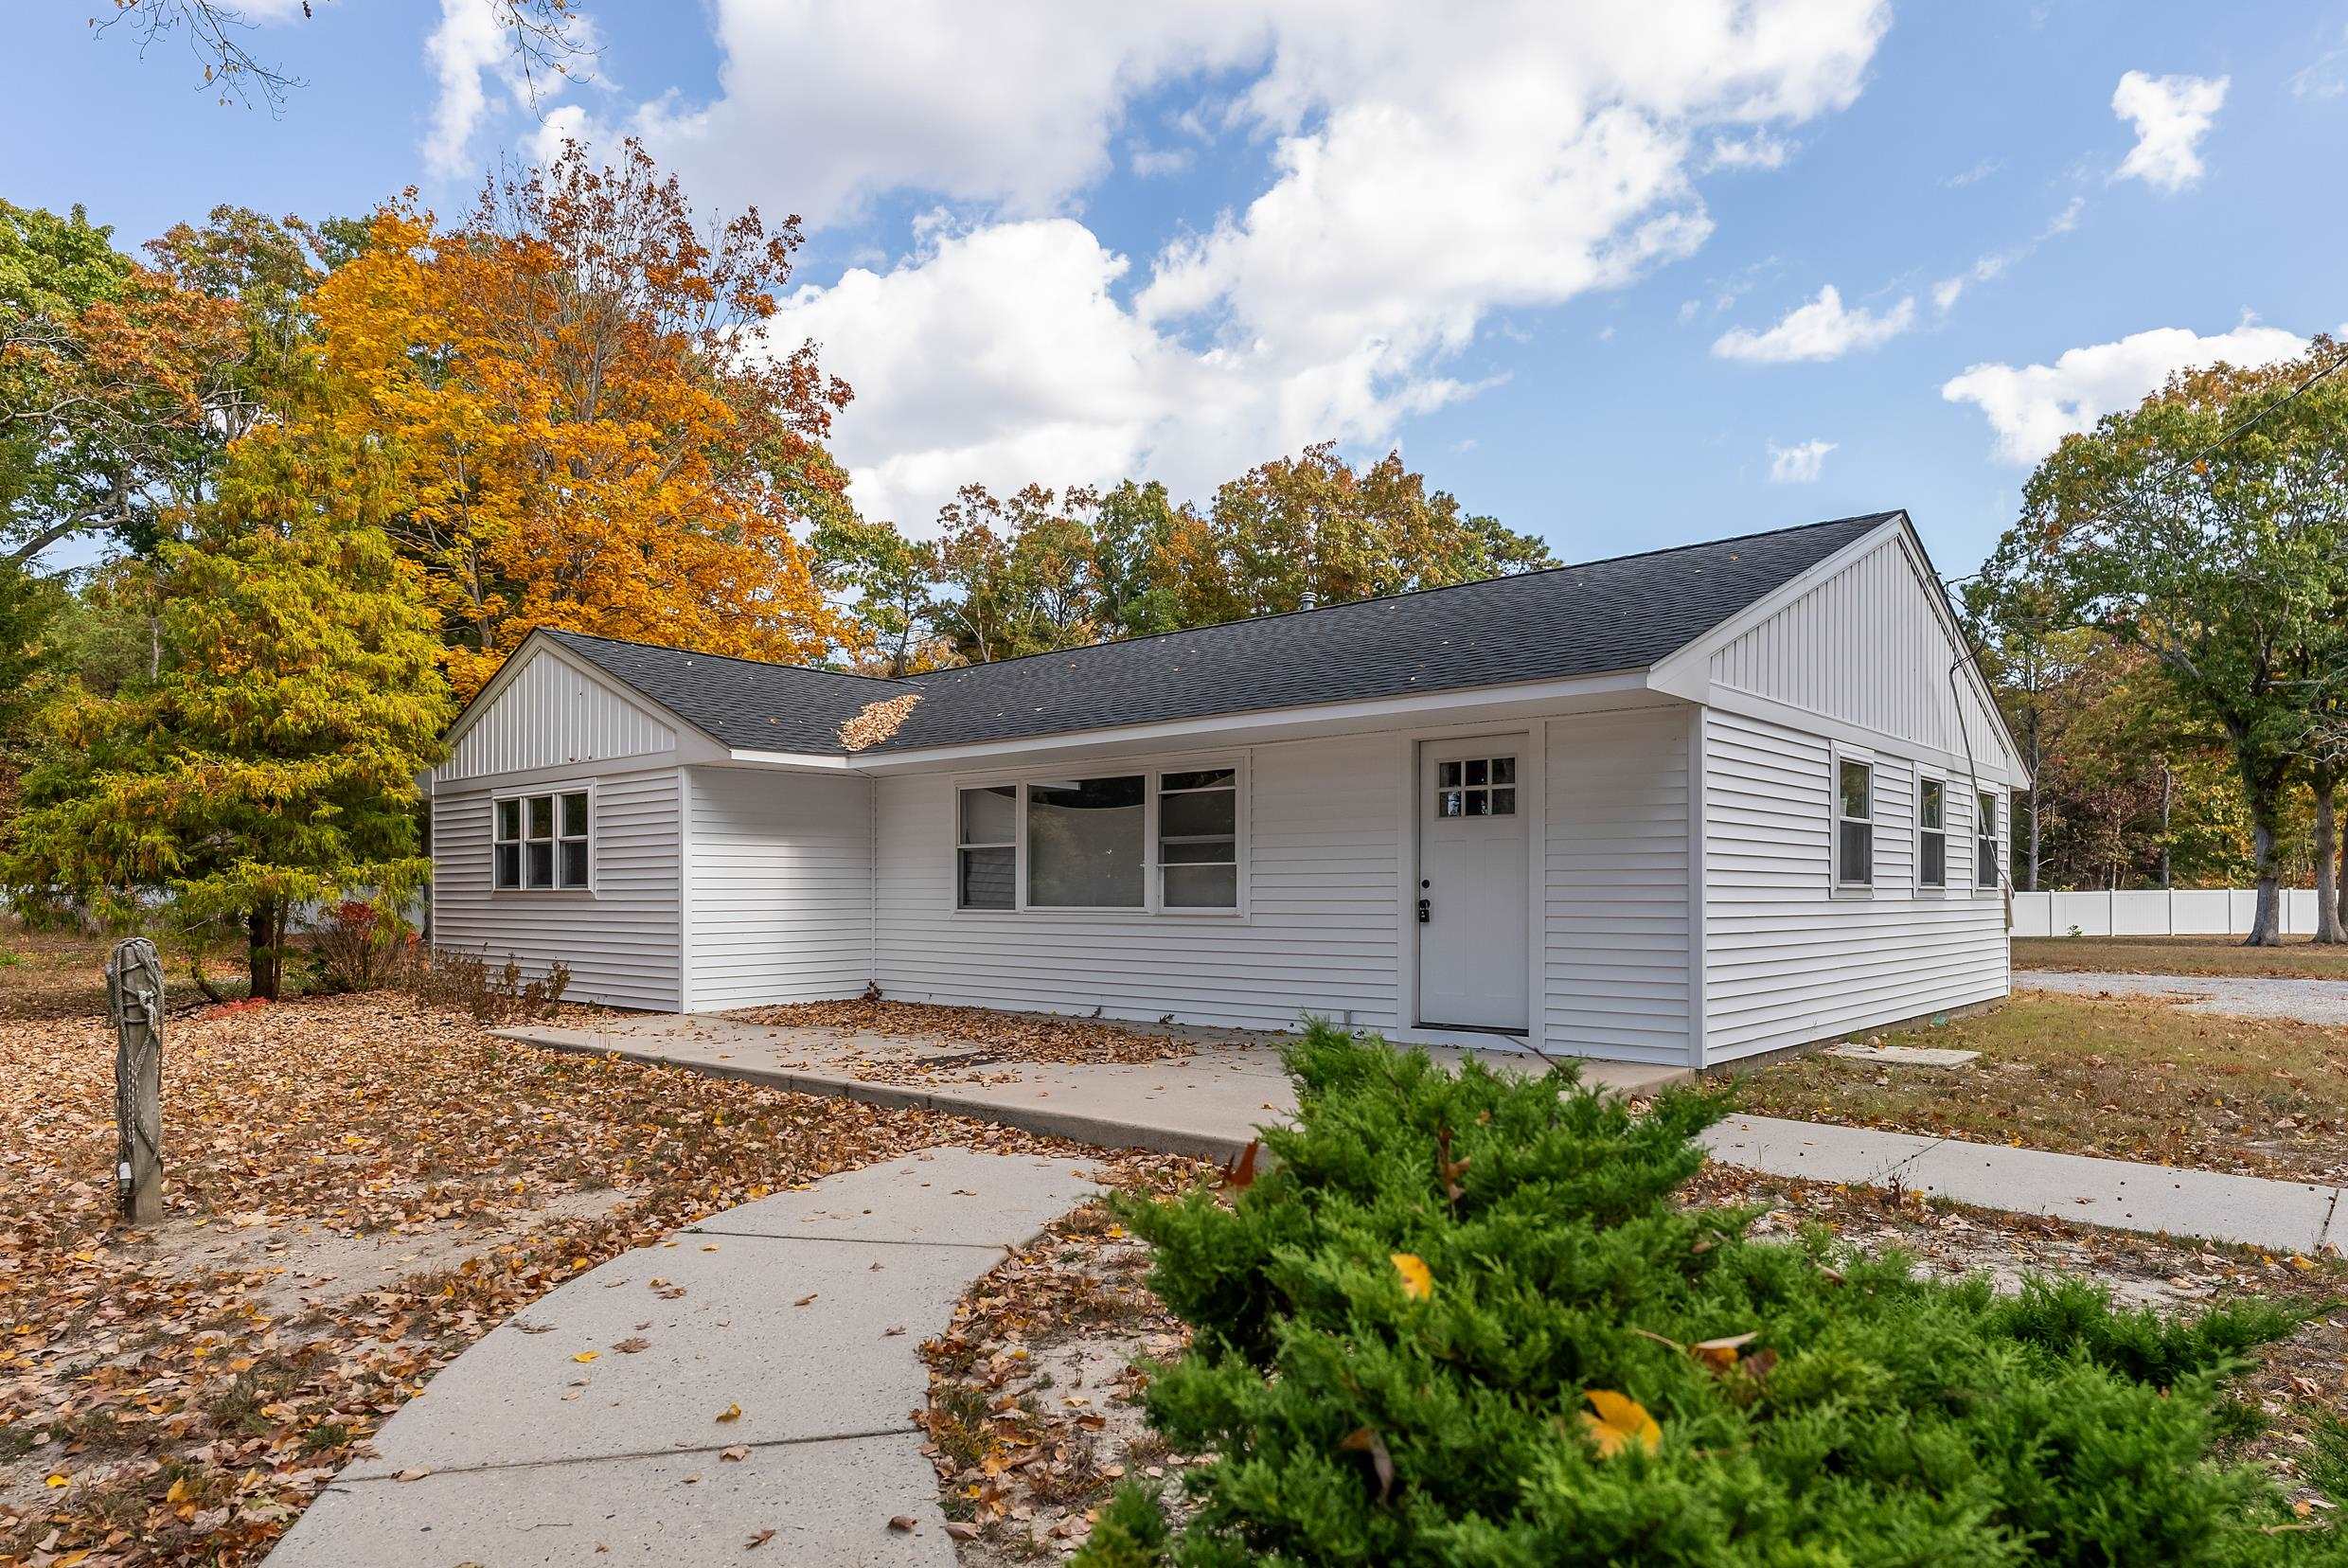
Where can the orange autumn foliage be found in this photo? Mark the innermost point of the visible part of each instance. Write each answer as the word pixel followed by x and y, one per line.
pixel 589 428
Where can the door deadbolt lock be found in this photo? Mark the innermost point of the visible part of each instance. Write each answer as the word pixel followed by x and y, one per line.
pixel 1426 908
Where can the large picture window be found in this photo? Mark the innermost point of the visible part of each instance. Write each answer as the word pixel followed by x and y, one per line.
pixel 1931 833
pixel 541 841
pixel 1164 841
pixel 1855 826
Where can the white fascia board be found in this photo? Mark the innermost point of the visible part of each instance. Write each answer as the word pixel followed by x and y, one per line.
pixel 1220 729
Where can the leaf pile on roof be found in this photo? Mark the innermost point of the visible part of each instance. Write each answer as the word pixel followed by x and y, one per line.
pixel 876 722
pixel 355 1189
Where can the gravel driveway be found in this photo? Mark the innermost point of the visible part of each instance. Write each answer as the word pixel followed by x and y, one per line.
pixel 2235 996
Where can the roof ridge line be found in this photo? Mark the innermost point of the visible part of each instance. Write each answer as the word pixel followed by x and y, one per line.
pixel 1876 517
pixel 730 658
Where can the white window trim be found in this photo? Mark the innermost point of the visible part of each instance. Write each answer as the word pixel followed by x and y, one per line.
pixel 1152 905
pixel 1836 756
pixel 558 790
pixel 1997 835
pixel 1939 889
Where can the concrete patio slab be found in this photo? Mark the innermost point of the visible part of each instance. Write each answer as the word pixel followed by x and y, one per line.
pixel 1904 1055
pixel 827 1503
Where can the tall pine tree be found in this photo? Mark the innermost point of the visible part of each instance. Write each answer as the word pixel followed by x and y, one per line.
pixel 273 757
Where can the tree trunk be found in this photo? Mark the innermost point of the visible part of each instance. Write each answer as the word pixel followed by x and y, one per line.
pixel 2266 815
pixel 2328 928
pixel 263 947
pixel 2168 792
pixel 2036 761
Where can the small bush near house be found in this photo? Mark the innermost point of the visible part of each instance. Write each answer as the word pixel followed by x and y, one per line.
pixel 355 946
pixel 449 978
pixel 1464 1320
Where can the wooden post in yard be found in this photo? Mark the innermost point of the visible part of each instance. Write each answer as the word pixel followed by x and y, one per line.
pixel 135 999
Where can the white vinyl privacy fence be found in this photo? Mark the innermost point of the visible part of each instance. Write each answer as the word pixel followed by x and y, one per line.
pixel 2155 912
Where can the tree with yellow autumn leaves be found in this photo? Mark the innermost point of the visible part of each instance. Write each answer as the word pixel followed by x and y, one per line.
pixel 587 427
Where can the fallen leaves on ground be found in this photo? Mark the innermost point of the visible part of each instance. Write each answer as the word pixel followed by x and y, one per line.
pixel 1616 1421
pixel 1034 1416
pixel 356 1188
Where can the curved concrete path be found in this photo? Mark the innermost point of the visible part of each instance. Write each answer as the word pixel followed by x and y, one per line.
pixel 2226 995
pixel 800 1313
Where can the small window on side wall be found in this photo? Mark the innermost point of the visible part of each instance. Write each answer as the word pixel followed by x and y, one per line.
pixel 1989 867
pixel 1932 834
pixel 1855 826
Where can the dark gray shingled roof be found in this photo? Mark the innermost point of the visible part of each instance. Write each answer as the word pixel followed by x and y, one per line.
pixel 1599 617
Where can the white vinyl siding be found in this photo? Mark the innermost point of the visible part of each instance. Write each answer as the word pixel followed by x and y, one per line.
pixel 1615 912
pixel 551 714
pixel 1786 962
pixel 779 887
pixel 1866 647
pixel 621 939
pixel 1321 890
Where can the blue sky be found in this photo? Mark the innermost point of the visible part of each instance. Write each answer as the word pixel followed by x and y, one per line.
pixel 1574 261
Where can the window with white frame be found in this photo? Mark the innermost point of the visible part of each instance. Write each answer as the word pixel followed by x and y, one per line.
pixel 1162 841
pixel 541 841
pixel 1988 864
pixel 1855 826
pixel 986 856
pixel 1931 833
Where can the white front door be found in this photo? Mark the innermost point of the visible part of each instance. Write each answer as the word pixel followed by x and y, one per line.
pixel 1472 877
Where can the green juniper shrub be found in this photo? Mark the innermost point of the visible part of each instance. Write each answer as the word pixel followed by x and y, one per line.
pixel 1808 1405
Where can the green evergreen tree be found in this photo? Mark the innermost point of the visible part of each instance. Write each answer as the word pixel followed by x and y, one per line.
pixel 274 756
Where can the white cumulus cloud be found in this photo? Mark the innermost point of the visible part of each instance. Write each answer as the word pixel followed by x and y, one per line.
pixel 2171 114
pixel 2032 407
pixel 1799 463
pixel 1824 328
pixel 1420 180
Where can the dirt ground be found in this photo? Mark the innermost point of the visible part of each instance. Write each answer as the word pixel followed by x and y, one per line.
pixel 2128 1078
pixel 1035 1417
pixel 2296 959
pixel 356 1188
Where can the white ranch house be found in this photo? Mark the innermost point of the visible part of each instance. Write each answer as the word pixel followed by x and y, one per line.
pixel 1680 807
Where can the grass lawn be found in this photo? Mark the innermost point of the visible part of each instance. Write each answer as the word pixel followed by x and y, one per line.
pixel 2297 959
pixel 356 1188
pixel 2127 1078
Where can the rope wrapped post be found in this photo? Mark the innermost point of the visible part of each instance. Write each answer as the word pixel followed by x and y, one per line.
pixel 135 999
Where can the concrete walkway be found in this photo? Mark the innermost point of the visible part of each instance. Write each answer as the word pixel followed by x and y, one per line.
pixel 2228 995
pixel 755 1373
pixel 1212 1103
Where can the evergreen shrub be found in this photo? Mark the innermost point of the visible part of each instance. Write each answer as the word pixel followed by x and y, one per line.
pixel 1586 1369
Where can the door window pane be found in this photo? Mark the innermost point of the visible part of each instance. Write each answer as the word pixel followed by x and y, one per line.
pixel 1451 803
pixel 1504 803
pixel 1447 774
pixel 1504 771
pixel 1475 803
pixel 1084 843
pixel 1478 770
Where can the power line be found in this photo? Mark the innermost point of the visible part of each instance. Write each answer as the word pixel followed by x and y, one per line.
pixel 2285 402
